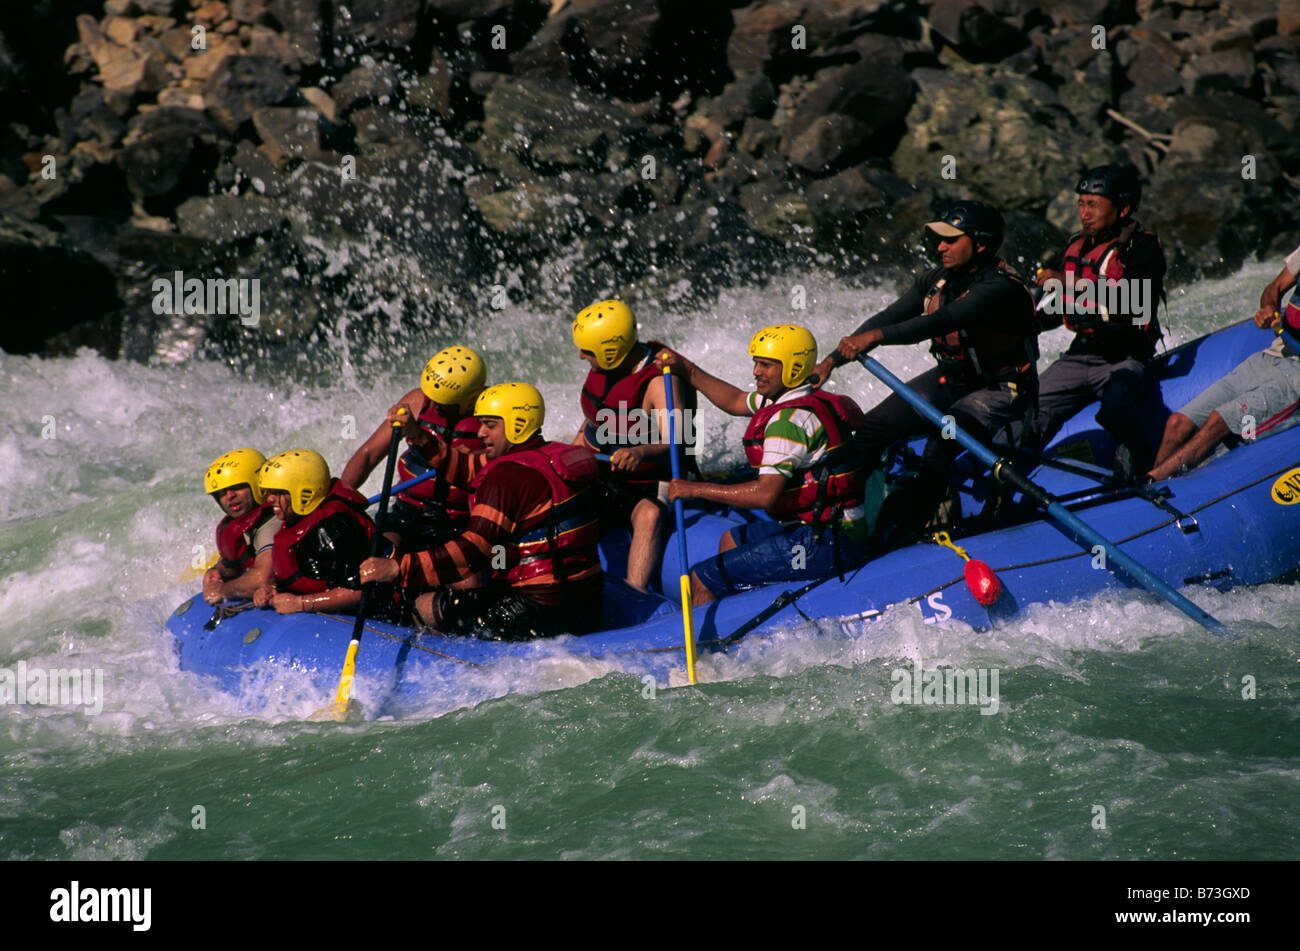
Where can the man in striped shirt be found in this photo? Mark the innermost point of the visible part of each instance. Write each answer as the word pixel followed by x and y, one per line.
pixel 532 529
pixel 810 476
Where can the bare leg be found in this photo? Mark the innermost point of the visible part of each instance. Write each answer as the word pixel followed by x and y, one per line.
pixel 699 593
pixel 1196 449
pixel 726 542
pixel 426 613
pixel 1178 429
pixel 647 540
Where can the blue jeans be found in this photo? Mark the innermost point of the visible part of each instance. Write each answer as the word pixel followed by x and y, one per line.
pixel 772 552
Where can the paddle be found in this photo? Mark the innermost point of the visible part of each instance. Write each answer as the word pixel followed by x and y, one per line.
pixel 681 529
pixel 343 705
pixel 403 486
pixel 1065 519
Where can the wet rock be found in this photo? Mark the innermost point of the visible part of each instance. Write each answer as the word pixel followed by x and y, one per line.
pixel 304 23
pixel 379 22
pixel 974 32
pixel 758 137
pixel 121 69
pixel 375 124
pixel 321 101
pixel 1211 219
pixel 367 84
pixel 776 211
pixel 168 153
pixel 1008 136
pixel 220 219
pixel 253 165
pixel 433 92
pixel 764 39
pixel 288 133
pixel 609 43
pixel 852 112
pixel 1288 18
pixel 90 118
pixel 1230 70
pixel 458 11
pixel 530 209
pixel 548 123
pixel 42 274
pixel 752 95
pixel 251 11
pixel 241 84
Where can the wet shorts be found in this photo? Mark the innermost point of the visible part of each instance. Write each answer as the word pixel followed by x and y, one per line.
pixel 420 529
pixel 1263 389
pixel 772 552
pixel 616 498
pixel 499 613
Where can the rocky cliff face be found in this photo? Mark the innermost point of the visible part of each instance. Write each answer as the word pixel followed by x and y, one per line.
pixel 418 160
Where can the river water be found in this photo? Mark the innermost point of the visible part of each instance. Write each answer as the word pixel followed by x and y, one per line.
pixel 1121 730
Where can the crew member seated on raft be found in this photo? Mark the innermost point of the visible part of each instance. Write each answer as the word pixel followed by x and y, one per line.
pixel 245 535
pixel 1112 280
pixel 1262 393
pixel 625 411
pixel 438 411
pixel 810 474
pixel 980 320
pixel 533 524
pixel 325 537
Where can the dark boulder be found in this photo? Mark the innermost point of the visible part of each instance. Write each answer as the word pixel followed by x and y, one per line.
pixel 241 84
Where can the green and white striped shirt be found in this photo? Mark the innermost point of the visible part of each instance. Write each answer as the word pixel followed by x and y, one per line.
pixel 795 440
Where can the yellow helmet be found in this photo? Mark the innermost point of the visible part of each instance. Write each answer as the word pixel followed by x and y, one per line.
pixel 792 345
pixel 303 473
pixel 518 405
pixel 608 330
pixel 454 376
pixel 237 467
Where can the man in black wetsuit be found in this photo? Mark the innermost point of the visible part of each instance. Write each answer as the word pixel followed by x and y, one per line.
pixel 980 320
pixel 1112 277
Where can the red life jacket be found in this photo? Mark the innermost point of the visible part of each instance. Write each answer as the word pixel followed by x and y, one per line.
pixel 341 500
pixel 558 543
pixel 611 401
pixel 234 534
pixel 461 434
pixel 1100 263
pixel 1291 316
pixel 990 351
pixel 820 493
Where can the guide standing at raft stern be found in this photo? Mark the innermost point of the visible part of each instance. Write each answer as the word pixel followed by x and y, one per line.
pixel 979 319
pixel 533 526
pixel 246 534
pixel 810 473
pixel 1112 279
pixel 439 410
pixel 624 408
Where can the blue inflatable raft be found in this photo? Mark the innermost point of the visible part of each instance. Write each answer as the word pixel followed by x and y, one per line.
pixel 1230 522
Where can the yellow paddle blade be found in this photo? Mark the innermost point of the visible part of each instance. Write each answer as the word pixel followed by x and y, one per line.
pixel 193 574
pixel 344 707
pixel 690 627
pixel 349 712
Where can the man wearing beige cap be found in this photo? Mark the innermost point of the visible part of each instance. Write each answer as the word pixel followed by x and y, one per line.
pixel 980 323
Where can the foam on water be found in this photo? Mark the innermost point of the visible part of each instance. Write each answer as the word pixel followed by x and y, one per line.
pixel 99 524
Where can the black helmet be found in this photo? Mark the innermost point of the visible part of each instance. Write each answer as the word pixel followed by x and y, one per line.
pixel 1118 182
pixel 982 222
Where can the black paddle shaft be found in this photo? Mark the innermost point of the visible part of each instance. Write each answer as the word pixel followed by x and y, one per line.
pixel 393 445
